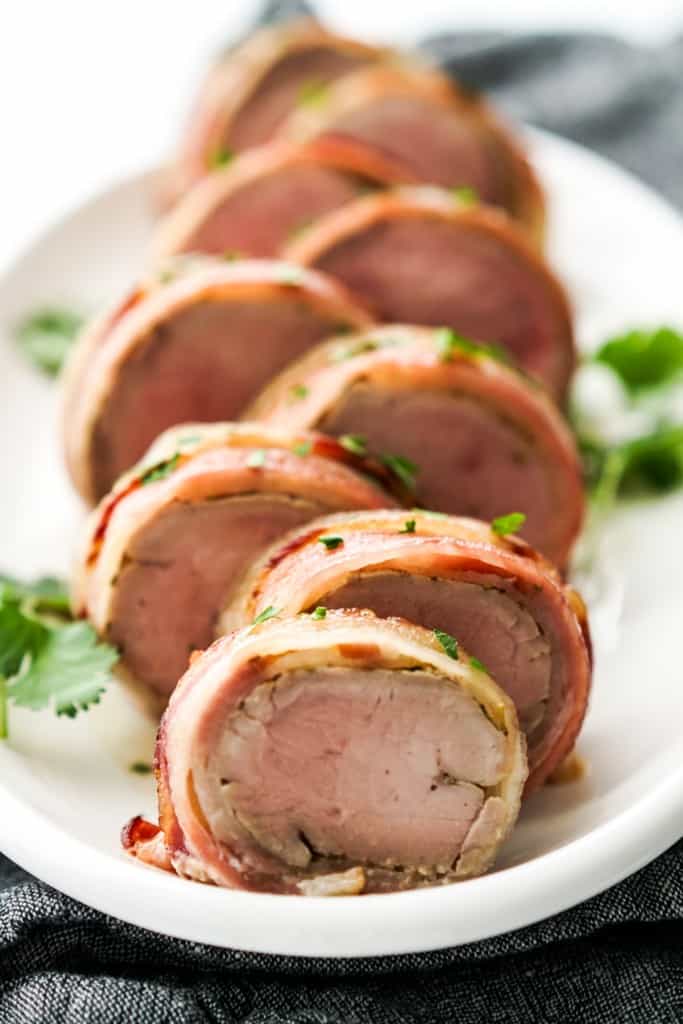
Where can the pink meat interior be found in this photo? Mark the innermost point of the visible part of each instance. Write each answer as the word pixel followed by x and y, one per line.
pixel 424 271
pixel 202 365
pixel 372 766
pixel 290 80
pixel 438 145
pixel 510 635
pixel 259 218
pixel 470 460
pixel 181 569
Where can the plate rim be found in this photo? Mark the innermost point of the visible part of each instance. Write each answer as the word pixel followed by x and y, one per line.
pixel 449 916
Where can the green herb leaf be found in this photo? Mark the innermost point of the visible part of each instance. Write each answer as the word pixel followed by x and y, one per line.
pixel 331 542
pixel 653 462
pixel 21 636
pixel 141 768
pixel 358 348
pixel 160 471
pixel 448 342
pixel 221 157
pixel 257 458
pixel 403 468
pixel 297 392
pixel 319 613
pixel 644 359
pixel 45 594
pixel 268 613
pixel 408 526
pixel 302 448
pixel 313 93
pixel 47 336
pixel 354 443
pixel 466 194
pixel 70 670
pixel 510 523
pixel 479 665
pixel 448 642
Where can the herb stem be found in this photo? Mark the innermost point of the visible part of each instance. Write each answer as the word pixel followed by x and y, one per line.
pixel 4 731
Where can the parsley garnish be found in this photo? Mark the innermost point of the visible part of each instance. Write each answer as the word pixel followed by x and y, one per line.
pixel 45 657
pixel 320 612
pixel 160 471
pixel 408 526
pixel 302 448
pixel 448 642
pixel 221 157
pixel 359 348
pixel 257 458
pixel 448 342
pixel 354 443
pixel 268 613
pixel 403 468
pixel 510 523
pixel 47 336
pixel 479 665
pixel 331 542
pixel 466 194
pixel 297 392
pixel 644 359
pixel 313 93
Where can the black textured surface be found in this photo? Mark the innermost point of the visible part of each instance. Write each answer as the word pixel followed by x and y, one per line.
pixel 617 958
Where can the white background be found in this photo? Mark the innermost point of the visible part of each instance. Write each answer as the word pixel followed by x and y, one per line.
pixel 94 91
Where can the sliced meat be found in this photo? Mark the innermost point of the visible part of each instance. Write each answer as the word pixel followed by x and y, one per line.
pixel 165 550
pixel 251 90
pixel 196 344
pixel 331 757
pixel 446 137
pixel 265 197
pixel 494 594
pixel 473 436
pixel 422 256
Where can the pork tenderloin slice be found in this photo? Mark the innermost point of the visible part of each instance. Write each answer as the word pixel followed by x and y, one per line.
pixel 501 600
pixel 421 256
pixel 329 756
pixel 247 95
pixel 164 553
pixel 483 440
pixel 268 195
pixel 196 348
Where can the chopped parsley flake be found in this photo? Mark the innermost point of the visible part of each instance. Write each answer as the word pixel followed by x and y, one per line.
pixel 302 448
pixel 257 458
pixel 320 612
pixel 331 542
pixel 354 443
pixel 313 93
pixel 160 471
pixel 448 642
pixel 403 468
pixel 268 613
pixel 298 391
pixel 466 194
pixel 449 342
pixel 510 523
pixel 408 526
pixel 221 157
pixel 479 665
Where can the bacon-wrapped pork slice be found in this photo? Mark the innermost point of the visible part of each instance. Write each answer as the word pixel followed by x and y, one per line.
pixel 423 256
pixel 261 200
pixel 472 435
pixel 333 756
pixel 445 136
pixel 164 551
pixel 251 90
pixel 495 594
pixel 194 344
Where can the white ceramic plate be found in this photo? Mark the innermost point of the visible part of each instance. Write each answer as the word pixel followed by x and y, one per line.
pixel 65 786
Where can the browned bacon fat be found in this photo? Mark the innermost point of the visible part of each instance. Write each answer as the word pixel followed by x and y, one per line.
pixel 494 594
pixel 330 757
pixel 470 434
pixel 164 551
pixel 420 117
pixel 424 256
pixel 266 196
pixel 253 88
pixel 195 344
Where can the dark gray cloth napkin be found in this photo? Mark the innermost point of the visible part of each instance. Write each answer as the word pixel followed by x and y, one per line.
pixel 617 958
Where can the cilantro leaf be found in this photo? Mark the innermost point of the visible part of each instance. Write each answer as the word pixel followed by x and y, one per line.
pixel 47 336
pixel 510 523
pixel 653 462
pixel 644 359
pixel 45 594
pixel 20 636
pixel 268 613
pixel 448 642
pixel 70 669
